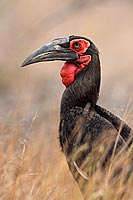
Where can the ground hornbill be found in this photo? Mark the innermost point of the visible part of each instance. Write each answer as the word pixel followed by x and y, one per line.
pixel 97 144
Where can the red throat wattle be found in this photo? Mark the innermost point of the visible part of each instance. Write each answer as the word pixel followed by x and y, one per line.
pixel 69 69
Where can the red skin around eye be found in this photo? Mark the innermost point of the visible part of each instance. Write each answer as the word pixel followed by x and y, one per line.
pixel 84 45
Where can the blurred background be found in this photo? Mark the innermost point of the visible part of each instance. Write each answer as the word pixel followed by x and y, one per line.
pixel 34 92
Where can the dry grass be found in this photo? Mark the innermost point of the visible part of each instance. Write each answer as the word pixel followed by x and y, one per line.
pixel 33 167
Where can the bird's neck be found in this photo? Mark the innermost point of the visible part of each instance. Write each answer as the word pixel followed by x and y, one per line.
pixel 85 88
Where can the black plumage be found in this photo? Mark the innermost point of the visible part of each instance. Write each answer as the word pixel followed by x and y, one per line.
pixel 90 136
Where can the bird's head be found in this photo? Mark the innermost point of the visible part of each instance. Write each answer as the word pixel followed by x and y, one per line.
pixel 77 51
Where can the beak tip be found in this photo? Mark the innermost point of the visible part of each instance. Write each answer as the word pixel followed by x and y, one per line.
pixel 26 62
pixel 22 65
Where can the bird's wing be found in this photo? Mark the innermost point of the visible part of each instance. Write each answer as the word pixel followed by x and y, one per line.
pixel 125 131
pixel 83 131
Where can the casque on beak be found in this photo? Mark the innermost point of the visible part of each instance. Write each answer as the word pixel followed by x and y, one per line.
pixel 55 50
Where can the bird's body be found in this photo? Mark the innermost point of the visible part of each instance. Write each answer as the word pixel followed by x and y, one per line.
pixel 90 142
pixel 88 139
pixel 90 136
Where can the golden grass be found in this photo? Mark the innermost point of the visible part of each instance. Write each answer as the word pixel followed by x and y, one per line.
pixel 32 166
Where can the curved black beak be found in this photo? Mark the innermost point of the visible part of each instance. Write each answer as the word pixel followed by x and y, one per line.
pixel 55 50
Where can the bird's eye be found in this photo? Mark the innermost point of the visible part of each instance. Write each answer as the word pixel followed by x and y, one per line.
pixel 79 45
pixel 76 45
